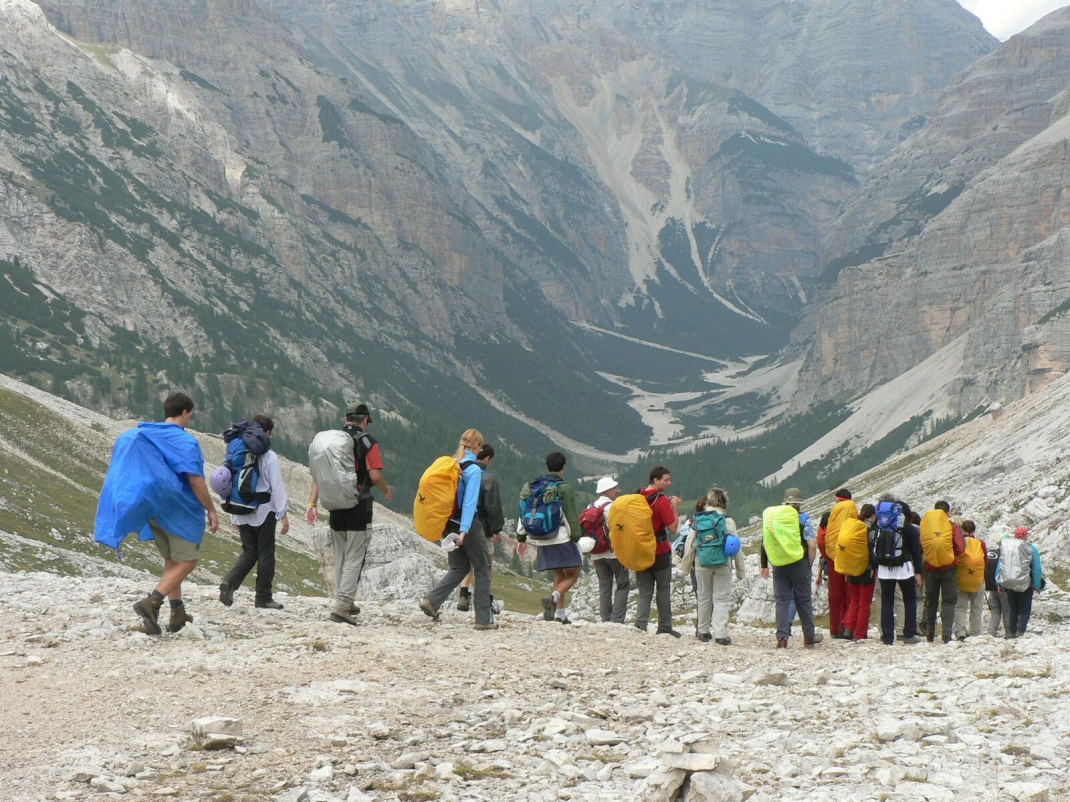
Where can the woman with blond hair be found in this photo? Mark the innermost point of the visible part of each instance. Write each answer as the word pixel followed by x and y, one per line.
pixel 471 553
pixel 714 581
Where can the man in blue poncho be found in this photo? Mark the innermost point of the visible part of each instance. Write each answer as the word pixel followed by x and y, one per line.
pixel 155 487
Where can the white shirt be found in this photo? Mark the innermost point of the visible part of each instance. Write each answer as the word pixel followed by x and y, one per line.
pixel 904 571
pixel 602 501
pixel 270 480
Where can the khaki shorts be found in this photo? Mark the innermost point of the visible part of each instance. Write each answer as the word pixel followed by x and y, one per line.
pixel 172 547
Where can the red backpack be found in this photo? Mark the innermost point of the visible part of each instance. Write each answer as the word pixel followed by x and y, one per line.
pixel 593 524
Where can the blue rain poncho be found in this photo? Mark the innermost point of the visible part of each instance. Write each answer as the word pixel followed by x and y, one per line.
pixel 147 479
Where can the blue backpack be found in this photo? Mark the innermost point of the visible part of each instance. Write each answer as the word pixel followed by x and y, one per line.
pixel 711 533
pixel 246 442
pixel 888 546
pixel 541 507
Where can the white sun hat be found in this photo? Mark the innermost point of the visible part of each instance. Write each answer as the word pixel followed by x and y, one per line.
pixel 605 484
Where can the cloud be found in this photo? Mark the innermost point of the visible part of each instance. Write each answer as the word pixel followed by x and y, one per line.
pixel 1004 18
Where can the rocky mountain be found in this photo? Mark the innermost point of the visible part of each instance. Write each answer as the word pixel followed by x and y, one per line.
pixel 412 191
pixel 955 247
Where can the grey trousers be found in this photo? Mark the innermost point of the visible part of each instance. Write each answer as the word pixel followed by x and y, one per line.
pixel 474 556
pixel 998 612
pixel 614 582
pixel 941 595
pixel 649 582
pixel 792 583
pixel 714 599
pixel 971 605
pixel 350 551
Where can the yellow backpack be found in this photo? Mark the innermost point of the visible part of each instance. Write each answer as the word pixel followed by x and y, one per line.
pixel 937 539
pixel 436 498
pixel 971 566
pixel 852 548
pixel 631 531
pixel 841 511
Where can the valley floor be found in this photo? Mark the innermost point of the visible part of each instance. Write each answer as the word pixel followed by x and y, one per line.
pixel 530 712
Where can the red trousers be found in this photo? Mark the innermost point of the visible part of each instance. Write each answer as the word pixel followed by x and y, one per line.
pixel 837 599
pixel 859 602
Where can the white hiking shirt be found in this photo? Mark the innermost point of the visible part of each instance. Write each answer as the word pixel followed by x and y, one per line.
pixel 270 481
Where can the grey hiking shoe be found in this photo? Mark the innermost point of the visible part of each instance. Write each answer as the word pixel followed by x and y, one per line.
pixel 818 637
pixel 149 610
pixel 549 608
pixel 341 616
pixel 491 625
pixel 354 610
pixel 226 594
pixel 179 618
pixel 429 609
pixel 464 603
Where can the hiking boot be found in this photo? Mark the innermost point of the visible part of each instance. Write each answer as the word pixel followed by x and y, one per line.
pixel 494 625
pixel 705 637
pixel 226 594
pixel 549 608
pixel 496 606
pixel 341 616
pixel 930 638
pixel 179 618
pixel 464 603
pixel 270 604
pixel 640 628
pixel 564 620
pixel 429 609
pixel 149 610
pixel 672 632
pixel 912 640
pixel 781 643
pixel 354 610
pixel 962 638
pixel 848 634
pixel 723 641
pixel 816 639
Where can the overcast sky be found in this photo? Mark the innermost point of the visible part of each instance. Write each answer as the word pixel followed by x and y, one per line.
pixel 1004 18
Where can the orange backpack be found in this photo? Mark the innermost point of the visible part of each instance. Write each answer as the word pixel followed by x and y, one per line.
pixel 937 539
pixel 971 566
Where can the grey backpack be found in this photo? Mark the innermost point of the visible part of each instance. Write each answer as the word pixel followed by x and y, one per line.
pixel 332 461
pixel 1015 561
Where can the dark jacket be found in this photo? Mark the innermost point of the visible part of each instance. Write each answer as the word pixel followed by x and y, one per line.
pixel 490 512
pixel 912 543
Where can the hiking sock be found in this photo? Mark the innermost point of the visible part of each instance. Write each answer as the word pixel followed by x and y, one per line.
pixel 157 594
pixel 556 596
pixel 562 613
pixel 465 592
pixel 176 603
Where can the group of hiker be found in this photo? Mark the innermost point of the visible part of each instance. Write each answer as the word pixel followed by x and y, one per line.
pixel 155 487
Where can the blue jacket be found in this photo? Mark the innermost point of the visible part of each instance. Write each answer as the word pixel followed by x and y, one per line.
pixel 147 478
pixel 468 491
pixel 1036 572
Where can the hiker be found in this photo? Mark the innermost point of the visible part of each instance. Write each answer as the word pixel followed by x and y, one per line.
pixel 790 545
pixel 941 544
pixel 614 580
pixel 999 610
pixel 707 557
pixel 842 510
pixel 557 549
pixel 898 570
pixel 350 485
pixel 854 560
pixel 155 486
pixel 491 521
pixel 471 554
pixel 970 574
pixel 1019 575
pixel 655 583
pixel 257 530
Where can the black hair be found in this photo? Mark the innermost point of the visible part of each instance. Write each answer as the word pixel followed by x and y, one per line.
pixel 485 453
pixel 867 511
pixel 969 527
pixel 266 423
pixel 175 404
pixel 942 505
pixel 657 472
pixel 908 514
pixel 843 492
pixel 555 462
pixel 825 520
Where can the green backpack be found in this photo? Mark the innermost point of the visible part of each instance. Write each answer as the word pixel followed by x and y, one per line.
pixel 711 532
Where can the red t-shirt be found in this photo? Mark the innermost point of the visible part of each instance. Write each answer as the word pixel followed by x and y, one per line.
pixel 373 461
pixel 664 517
